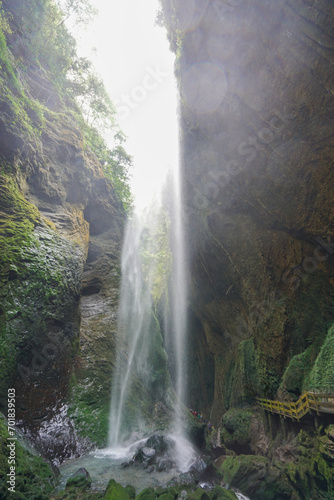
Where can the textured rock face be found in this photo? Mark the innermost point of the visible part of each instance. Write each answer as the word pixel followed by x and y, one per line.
pixel 60 230
pixel 256 81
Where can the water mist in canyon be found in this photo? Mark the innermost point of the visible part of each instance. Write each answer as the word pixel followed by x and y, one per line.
pixel 150 372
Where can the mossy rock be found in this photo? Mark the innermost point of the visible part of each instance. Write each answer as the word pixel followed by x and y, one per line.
pixel 198 494
pixel 312 474
pixel 160 490
pixel 294 375
pixel 115 491
pixel 130 491
pixel 80 479
pixel 147 494
pixel 254 477
pixel 220 492
pixel 235 430
pixel 33 477
pixel 321 377
pixel 173 491
pixel 166 496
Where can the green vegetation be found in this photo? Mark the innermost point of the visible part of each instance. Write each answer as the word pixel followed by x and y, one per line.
pixel 116 491
pixel 17 221
pixel 89 414
pixel 33 477
pixel 33 291
pixel 48 54
pixel 253 476
pixel 311 370
pixel 236 428
pixel 80 479
pixel 156 254
pixel 321 377
pixel 312 473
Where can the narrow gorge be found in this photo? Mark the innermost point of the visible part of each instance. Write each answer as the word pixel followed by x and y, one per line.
pixel 256 278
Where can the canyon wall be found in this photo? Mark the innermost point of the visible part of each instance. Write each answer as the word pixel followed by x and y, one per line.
pixel 256 86
pixel 61 228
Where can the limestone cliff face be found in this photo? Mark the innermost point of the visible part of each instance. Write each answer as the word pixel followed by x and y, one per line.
pixel 256 83
pixel 60 230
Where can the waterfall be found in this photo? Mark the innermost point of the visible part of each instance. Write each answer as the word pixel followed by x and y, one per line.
pixel 148 362
pixel 178 292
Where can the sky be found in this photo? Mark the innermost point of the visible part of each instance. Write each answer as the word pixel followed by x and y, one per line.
pixel 134 61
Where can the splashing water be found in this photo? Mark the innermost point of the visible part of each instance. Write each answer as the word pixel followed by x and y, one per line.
pixel 135 384
pixel 149 378
pixel 153 271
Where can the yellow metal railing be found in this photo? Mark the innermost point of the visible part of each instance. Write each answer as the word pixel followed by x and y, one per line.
pixel 296 410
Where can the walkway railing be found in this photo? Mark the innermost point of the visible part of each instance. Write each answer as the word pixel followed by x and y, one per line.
pixel 321 403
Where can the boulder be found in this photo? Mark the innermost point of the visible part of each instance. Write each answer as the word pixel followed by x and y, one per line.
pixel 80 479
pixel 115 491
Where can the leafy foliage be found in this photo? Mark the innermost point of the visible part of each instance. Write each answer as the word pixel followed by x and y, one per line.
pixel 50 50
pixel 156 254
pixel 41 479
pixel 4 22
pixel 321 377
pixel 81 10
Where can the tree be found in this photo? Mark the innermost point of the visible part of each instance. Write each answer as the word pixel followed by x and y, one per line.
pixel 81 10
pixel 116 164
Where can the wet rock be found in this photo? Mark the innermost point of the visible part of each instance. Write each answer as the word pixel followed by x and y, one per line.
pixel 236 425
pixel 146 494
pixel 166 496
pixel 159 442
pixel 199 494
pixel 115 491
pixel 165 464
pixel 199 465
pixel 80 479
pixel 220 492
pixel 156 454
pixel 145 455
pixel 255 477
pixel 186 478
pixel 256 205
pixel 130 491
pixel 126 464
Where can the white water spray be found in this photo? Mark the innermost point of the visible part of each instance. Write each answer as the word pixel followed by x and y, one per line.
pixel 153 251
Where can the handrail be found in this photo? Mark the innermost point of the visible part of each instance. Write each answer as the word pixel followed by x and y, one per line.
pixel 296 410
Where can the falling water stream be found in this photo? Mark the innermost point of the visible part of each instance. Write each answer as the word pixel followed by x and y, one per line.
pixel 153 264
pixel 149 381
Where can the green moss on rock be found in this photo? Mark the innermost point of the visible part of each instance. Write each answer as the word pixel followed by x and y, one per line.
pixel 312 473
pixel 115 491
pixel 223 493
pixel 80 479
pixel 254 477
pixel 321 377
pixel 34 478
pixel 166 496
pixel 236 429
pixel 147 494
pixel 130 491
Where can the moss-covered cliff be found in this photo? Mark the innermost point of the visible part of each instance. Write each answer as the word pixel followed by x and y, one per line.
pixel 60 234
pixel 256 85
pixel 257 109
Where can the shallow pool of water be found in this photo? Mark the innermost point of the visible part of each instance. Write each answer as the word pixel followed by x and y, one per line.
pixel 105 464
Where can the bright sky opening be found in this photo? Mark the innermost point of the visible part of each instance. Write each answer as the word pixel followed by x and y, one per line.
pixel 134 60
